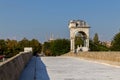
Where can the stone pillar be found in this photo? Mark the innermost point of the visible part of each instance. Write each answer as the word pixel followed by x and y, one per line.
pixel 87 42
pixel 72 45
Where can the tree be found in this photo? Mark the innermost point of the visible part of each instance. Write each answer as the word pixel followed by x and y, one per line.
pixel 12 48
pixel 56 47
pixel 93 46
pixel 23 43
pixel 116 42
pixel 3 47
pixel 46 49
pixel 96 39
pixel 60 46
pixel 97 46
pixel 78 41
pixel 36 45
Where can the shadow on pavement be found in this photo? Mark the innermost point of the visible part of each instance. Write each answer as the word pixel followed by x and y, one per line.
pixel 41 72
pixel 35 70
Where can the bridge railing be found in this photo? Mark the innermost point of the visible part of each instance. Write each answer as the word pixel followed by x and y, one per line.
pixel 12 68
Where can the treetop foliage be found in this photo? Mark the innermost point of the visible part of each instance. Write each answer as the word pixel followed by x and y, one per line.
pixel 116 43
pixel 56 47
pixel 96 45
pixel 12 47
pixel 96 38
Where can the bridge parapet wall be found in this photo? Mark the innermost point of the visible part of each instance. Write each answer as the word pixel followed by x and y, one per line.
pixel 100 55
pixel 12 68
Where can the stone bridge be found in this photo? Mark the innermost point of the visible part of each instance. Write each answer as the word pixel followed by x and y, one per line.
pixel 55 68
pixel 11 69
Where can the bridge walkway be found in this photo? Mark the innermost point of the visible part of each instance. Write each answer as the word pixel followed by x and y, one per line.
pixel 63 68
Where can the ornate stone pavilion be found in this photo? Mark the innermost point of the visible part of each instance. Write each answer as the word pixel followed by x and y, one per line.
pixel 81 27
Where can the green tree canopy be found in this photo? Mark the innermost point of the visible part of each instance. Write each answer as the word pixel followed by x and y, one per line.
pixel 46 49
pixel 97 47
pixel 78 41
pixel 12 47
pixel 56 47
pixel 116 42
pixel 96 38
pixel 60 46
pixel 3 47
pixel 36 45
pixel 23 43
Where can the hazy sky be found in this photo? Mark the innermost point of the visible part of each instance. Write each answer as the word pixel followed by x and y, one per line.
pixel 39 18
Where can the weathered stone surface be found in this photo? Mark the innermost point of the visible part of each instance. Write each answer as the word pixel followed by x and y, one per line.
pixel 12 68
pixel 67 68
pixel 62 68
pixel 79 26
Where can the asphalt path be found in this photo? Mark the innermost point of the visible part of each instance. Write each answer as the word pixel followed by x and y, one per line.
pixel 67 68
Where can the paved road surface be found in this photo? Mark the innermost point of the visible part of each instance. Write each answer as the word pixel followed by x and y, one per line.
pixel 62 68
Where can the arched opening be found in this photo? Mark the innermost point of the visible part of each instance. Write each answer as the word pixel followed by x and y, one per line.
pixel 79 35
pixel 80 41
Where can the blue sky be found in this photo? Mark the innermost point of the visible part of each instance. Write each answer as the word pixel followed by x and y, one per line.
pixel 39 18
